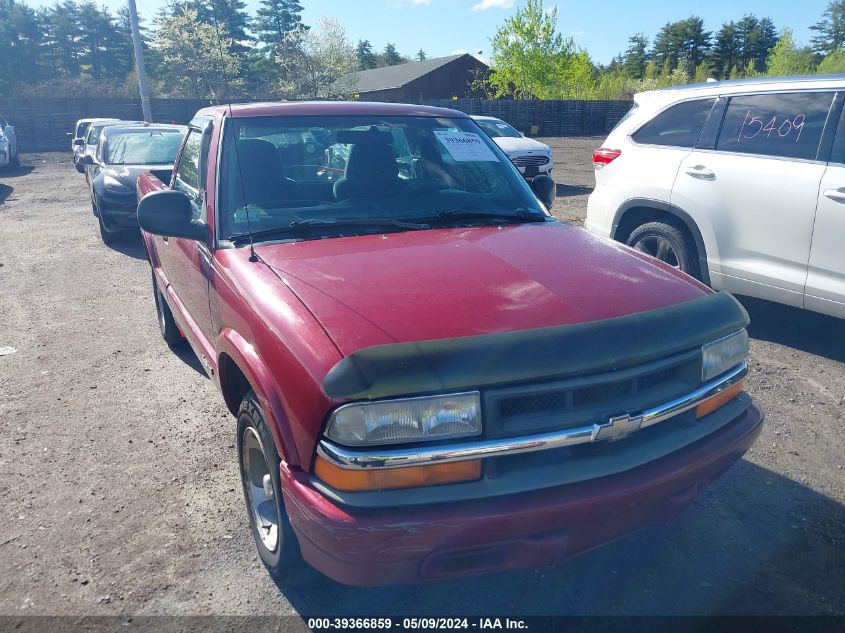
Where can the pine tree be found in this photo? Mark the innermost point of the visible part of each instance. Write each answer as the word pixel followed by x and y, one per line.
pixel 421 57
pixel 364 55
pixel 636 56
pixel 275 19
pixel 831 29
pixel 724 53
pixel 391 55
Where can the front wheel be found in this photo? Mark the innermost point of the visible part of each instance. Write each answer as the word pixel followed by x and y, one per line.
pixel 668 243
pixel 16 159
pixel 169 330
pixel 259 466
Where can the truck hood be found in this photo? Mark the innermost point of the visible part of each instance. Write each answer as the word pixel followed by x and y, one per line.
pixel 520 145
pixel 435 284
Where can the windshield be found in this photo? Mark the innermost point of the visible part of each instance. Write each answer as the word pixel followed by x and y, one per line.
pixel 142 148
pixel 496 128
pixel 364 173
pixel 94 133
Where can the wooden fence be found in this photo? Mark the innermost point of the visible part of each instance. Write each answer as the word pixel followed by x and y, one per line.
pixel 550 118
pixel 44 124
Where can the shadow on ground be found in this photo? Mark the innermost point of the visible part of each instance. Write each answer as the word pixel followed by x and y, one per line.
pixel 715 559
pixel 16 172
pixel 564 191
pixel 5 192
pixel 129 244
pixel 807 331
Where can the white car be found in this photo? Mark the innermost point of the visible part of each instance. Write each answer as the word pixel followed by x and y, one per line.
pixel 9 155
pixel 530 157
pixel 80 131
pixel 738 183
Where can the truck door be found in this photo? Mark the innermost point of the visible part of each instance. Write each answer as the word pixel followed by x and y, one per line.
pixel 186 262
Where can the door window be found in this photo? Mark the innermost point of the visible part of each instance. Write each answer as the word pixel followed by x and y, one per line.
pixel 188 173
pixel 786 125
pixel 678 126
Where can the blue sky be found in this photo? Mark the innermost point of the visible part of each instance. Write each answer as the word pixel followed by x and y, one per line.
pixel 441 27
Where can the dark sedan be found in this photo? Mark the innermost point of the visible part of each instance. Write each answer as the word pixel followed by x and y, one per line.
pixel 122 154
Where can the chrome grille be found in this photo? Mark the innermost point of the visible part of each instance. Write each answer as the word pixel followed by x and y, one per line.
pixel 570 403
pixel 530 161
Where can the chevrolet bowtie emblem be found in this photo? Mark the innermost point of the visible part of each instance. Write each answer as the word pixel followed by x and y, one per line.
pixel 616 427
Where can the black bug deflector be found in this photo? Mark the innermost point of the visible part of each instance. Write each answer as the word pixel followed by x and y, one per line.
pixel 562 351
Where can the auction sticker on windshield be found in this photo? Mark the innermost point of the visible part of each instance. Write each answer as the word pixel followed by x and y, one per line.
pixel 466 146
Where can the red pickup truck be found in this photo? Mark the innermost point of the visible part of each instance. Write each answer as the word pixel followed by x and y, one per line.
pixel 431 376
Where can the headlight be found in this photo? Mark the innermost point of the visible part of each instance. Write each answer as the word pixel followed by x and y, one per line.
pixel 113 184
pixel 406 420
pixel 724 354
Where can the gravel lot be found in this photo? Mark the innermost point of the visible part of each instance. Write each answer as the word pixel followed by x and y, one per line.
pixel 119 492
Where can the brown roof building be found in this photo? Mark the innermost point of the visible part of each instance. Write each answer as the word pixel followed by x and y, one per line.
pixel 440 78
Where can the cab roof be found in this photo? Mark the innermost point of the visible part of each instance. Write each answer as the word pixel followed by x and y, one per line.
pixel 327 108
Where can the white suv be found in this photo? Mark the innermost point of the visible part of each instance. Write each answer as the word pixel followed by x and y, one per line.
pixel 738 183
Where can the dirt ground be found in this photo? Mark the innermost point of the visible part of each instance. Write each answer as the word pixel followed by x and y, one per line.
pixel 119 491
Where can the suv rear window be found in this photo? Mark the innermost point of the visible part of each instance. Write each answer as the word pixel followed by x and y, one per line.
pixel 678 126
pixel 783 124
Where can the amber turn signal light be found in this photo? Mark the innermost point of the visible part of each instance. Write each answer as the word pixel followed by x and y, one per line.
pixel 391 478
pixel 720 399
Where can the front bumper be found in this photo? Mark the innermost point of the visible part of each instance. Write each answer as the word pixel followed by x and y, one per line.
pixel 118 210
pixel 412 544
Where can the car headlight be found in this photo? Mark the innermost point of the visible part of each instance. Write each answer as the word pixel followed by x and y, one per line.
pixel 406 420
pixel 113 184
pixel 724 354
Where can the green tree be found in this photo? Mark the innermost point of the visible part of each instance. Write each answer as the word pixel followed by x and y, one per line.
pixel 391 55
pixel 834 62
pixel 196 57
pixel 530 59
pixel 364 55
pixel 274 19
pixel 683 42
pixel 725 53
pixel 787 58
pixel 830 29
pixel 702 72
pixel 421 57
pixel 321 63
pixel 636 56
pixel 21 45
pixel 62 34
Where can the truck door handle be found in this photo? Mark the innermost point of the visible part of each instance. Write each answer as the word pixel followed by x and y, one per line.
pixel 700 171
pixel 837 195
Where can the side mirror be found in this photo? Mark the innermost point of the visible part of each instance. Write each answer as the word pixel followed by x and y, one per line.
pixel 169 213
pixel 79 141
pixel 545 189
pixel 87 159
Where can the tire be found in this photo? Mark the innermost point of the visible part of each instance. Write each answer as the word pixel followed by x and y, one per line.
pixel 108 237
pixel 166 324
pixel 16 160
pixel 258 463
pixel 669 243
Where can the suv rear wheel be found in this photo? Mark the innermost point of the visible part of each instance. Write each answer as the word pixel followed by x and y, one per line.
pixel 668 243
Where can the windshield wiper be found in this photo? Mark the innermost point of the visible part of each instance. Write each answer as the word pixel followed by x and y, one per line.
pixel 516 216
pixel 300 227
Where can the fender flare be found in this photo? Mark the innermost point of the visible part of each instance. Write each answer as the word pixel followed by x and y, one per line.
pixel 676 212
pixel 243 355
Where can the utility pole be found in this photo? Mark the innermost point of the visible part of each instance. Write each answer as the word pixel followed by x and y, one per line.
pixel 139 62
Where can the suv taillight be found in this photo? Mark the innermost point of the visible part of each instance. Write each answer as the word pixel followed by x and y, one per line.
pixel 604 156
